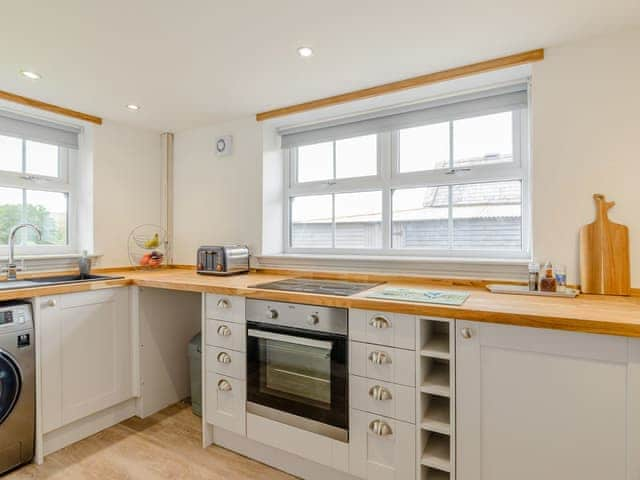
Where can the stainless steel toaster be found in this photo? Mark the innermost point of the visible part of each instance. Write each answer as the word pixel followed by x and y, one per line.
pixel 223 259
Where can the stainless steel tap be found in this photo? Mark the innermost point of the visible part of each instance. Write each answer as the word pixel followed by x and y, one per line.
pixel 12 268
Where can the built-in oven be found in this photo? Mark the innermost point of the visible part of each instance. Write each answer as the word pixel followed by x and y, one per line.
pixel 297 366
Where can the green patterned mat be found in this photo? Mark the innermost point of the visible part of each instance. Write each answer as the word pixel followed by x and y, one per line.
pixel 421 296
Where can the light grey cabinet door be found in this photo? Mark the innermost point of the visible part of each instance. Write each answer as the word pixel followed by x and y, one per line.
pixel 86 354
pixel 543 404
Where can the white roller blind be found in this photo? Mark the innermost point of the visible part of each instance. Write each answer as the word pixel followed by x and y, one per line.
pixel 479 103
pixel 15 125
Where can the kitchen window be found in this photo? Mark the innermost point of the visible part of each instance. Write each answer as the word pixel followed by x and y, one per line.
pixel 443 179
pixel 37 183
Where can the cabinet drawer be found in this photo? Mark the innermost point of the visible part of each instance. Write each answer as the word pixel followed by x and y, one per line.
pixel 383 328
pixel 225 307
pixel 381 448
pixel 389 364
pixel 225 407
pixel 226 362
pixel 383 398
pixel 226 335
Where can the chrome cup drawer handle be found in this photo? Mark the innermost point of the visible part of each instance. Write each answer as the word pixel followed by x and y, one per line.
pixel 380 428
pixel 224 386
pixel 379 358
pixel 224 357
pixel 223 304
pixel 379 322
pixel 224 331
pixel 380 393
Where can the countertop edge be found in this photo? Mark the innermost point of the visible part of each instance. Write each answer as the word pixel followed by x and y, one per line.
pixel 485 315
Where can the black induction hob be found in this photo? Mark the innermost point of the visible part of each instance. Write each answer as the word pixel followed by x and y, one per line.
pixel 313 285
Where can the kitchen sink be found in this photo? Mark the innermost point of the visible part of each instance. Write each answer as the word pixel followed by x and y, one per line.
pixel 55 280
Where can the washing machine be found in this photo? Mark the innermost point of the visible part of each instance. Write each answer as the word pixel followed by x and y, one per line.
pixel 17 385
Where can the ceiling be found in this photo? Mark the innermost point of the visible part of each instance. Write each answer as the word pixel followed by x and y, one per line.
pixel 195 62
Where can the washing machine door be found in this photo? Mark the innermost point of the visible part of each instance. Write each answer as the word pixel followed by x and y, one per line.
pixel 10 384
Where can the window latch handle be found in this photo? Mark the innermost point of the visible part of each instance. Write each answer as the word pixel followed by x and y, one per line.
pixel 453 171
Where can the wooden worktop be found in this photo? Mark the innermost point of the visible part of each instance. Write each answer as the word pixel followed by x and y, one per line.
pixel 587 313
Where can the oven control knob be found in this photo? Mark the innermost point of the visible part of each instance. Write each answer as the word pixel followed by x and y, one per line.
pixel 313 319
pixel 272 313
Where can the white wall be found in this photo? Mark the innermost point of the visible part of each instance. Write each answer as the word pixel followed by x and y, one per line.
pixel 126 187
pixel 217 200
pixel 586 139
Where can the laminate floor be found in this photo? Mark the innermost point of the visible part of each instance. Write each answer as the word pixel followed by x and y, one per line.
pixel 166 445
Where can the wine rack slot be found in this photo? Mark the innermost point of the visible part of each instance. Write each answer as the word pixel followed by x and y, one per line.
pixel 437 379
pixel 436 416
pixel 434 474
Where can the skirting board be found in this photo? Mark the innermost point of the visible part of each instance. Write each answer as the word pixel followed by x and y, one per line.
pixel 85 427
pixel 276 458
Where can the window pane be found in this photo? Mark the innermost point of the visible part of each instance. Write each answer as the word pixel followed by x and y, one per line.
pixel 357 157
pixel 420 218
pixel 424 148
pixel 487 216
pixel 10 154
pixel 483 140
pixel 312 221
pixel 315 162
pixel 47 210
pixel 10 211
pixel 359 220
pixel 42 159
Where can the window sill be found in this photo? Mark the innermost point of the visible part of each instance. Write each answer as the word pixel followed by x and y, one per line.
pixel 47 262
pixel 475 268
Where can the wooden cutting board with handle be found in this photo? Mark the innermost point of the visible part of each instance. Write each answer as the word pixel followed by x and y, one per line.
pixel 604 254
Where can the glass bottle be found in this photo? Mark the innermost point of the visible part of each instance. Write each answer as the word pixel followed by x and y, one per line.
pixel 548 282
pixel 534 276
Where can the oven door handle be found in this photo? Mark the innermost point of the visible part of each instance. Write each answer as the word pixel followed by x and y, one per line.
pixel 309 342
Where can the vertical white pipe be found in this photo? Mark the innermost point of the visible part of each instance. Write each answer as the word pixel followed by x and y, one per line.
pixel 167 191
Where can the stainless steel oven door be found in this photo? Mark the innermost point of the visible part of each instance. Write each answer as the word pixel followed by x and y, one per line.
pixel 298 377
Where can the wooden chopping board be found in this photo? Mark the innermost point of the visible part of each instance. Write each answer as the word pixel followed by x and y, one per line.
pixel 604 254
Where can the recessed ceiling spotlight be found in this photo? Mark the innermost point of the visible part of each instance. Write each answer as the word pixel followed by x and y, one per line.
pixel 131 106
pixel 31 75
pixel 305 51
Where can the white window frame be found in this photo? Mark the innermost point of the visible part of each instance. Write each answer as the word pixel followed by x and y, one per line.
pixel 66 182
pixel 389 178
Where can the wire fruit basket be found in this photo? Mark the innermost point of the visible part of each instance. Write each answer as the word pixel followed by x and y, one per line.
pixel 148 246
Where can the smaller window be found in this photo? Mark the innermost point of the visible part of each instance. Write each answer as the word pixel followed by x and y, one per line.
pixel 357 157
pixel 42 159
pixel 312 221
pixel 487 216
pixel 10 154
pixel 358 220
pixel 483 140
pixel 48 210
pixel 420 218
pixel 315 162
pixel 424 148
pixel 341 159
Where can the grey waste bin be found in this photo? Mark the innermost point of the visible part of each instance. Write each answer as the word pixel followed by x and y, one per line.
pixel 195 364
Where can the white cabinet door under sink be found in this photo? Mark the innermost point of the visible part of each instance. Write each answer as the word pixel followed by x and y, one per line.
pixel 534 403
pixel 86 354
